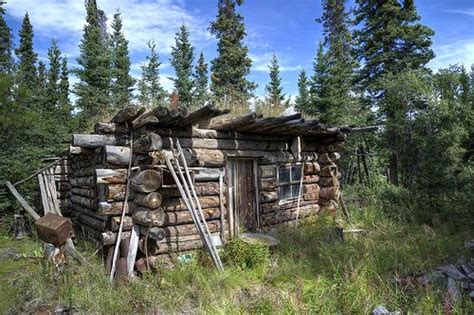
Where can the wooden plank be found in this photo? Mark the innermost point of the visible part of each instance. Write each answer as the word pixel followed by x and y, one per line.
pixel 44 198
pixel 133 249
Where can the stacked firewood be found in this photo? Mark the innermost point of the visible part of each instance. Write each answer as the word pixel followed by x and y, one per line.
pixel 99 177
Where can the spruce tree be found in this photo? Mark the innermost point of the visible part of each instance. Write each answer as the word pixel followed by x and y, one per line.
pixel 54 56
pixel 64 103
pixel 26 74
pixel 200 83
pixel 338 43
pixel 182 57
pixel 232 65
pixel 122 81
pixel 319 87
pixel 151 93
pixel 274 103
pixel 93 89
pixel 390 41
pixel 6 60
pixel 302 101
pixel 274 88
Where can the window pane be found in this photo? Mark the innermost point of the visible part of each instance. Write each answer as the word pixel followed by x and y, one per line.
pixel 295 190
pixel 284 174
pixel 285 192
pixel 295 173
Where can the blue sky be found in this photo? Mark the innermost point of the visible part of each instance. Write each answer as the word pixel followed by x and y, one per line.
pixel 286 28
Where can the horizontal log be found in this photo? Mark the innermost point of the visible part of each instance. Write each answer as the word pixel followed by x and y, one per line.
pixel 110 193
pixel 146 181
pixel 233 123
pixel 87 211
pixel 84 201
pixel 204 175
pixel 116 155
pixel 215 134
pixel 276 206
pixel 109 237
pixel 290 214
pixel 84 172
pixel 329 170
pixel 329 181
pixel 87 181
pixel 148 217
pixel 268 196
pixel 99 225
pixel 115 223
pixel 146 118
pixel 147 143
pixel 154 233
pixel 269 184
pixel 167 247
pixel 127 114
pixel 311 179
pixel 311 168
pixel 331 193
pixel 184 217
pixel 111 176
pixel 63 194
pixel 177 204
pixel 84 192
pixel 152 200
pixel 111 208
pixel 267 171
pixel 110 128
pixel 225 144
pixel 95 140
pixel 76 150
pixel 202 189
pixel 311 192
pixel 190 229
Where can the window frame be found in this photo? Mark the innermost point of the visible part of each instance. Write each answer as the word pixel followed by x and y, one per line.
pixel 290 182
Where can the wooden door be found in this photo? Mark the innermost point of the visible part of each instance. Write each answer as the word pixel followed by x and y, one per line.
pixel 241 177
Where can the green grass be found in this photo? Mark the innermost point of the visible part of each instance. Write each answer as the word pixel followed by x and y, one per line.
pixel 304 274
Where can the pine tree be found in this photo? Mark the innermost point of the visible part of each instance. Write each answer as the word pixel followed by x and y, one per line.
pixel 182 57
pixel 390 41
pixel 302 101
pixel 26 74
pixel 54 56
pixel 122 85
pixel 200 95
pixel 6 60
pixel 230 68
pixel 151 93
pixel 338 43
pixel 93 90
pixel 319 87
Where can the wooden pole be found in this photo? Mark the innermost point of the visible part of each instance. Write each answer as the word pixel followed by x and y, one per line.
pixel 124 210
pixel 22 201
pixel 39 171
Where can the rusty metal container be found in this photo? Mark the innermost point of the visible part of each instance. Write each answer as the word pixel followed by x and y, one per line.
pixel 53 228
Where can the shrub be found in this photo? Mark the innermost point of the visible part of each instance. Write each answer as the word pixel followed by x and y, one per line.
pixel 243 255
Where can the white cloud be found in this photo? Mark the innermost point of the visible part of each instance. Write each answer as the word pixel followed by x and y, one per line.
pixel 458 52
pixel 157 20
pixel 469 12
pixel 260 63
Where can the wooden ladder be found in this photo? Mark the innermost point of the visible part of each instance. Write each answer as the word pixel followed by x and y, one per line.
pixel 188 193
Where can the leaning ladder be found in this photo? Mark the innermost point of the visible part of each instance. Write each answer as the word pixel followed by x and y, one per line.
pixel 188 193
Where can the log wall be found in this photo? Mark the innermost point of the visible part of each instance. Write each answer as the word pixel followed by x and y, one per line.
pixel 95 187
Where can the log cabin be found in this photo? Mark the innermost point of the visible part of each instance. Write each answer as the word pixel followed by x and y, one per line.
pixel 251 174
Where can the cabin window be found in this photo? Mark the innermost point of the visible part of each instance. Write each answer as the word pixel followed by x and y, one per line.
pixel 289 176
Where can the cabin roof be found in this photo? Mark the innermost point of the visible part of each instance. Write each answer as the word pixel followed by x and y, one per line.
pixel 211 117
